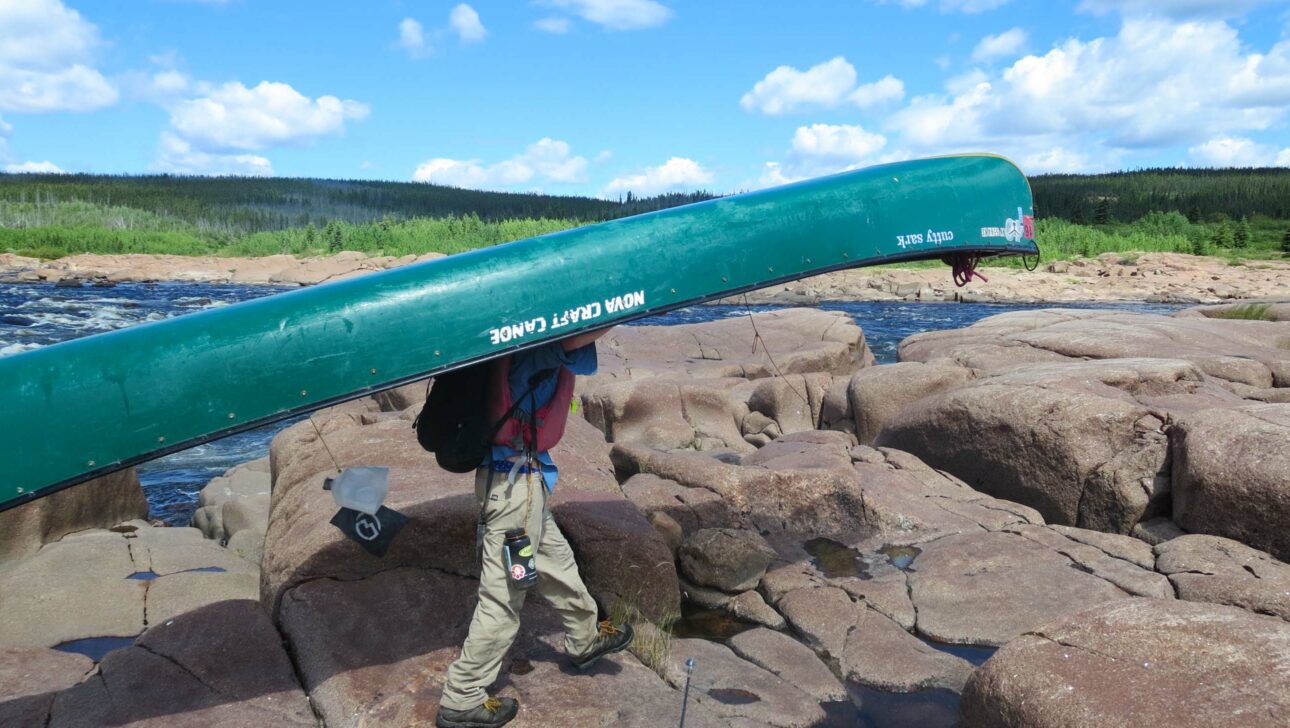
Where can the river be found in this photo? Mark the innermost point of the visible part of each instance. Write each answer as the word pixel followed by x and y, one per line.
pixel 35 315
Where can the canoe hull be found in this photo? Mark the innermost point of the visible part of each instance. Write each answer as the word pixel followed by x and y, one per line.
pixel 85 407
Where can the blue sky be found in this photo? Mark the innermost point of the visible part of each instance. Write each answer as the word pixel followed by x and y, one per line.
pixel 604 96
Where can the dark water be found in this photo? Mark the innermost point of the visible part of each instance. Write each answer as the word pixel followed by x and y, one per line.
pixel 37 314
pixel 95 647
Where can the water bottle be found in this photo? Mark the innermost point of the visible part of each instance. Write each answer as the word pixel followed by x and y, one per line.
pixel 521 565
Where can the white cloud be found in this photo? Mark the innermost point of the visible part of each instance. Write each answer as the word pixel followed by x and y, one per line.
pixel 821 149
pixel 773 175
pixel 676 175
pixel 548 160
pixel 824 85
pixel 556 26
pixel 1226 151
pixel 465 22
pixel 33 168
pixel 787 89
pixel 76 88
pixel 887 89
pixel 1004 45
pixel 412 38
pixel 45 52
pixel 44 34
pixel 169 82
pixel 177 156
pixel 617 14
pixel 843 142
pixel 1175 8
pixel 234 117
pixel 1156 84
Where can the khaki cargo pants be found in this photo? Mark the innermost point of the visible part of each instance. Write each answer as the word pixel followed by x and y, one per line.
pixel 497 617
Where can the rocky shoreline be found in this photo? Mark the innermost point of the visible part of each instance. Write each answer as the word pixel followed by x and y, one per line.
pixel 1049 518
pixel 1152 277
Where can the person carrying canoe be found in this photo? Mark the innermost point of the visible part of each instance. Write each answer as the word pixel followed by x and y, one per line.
pixel 530 393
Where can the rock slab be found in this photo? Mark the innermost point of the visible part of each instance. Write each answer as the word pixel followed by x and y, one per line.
pixel 1138 662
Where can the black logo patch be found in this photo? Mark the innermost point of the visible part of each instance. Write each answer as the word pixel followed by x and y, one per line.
pixel 373 533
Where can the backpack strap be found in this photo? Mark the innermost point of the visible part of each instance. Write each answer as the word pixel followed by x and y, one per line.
pixel 534 382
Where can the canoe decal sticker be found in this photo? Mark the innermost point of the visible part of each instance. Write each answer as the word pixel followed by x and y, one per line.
pixel 577 315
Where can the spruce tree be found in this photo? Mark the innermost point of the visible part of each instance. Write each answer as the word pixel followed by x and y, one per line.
pixel 1241 234
pixel 1223 238
pixel 1103 214
pixel 1285 242
pixel 1078 217
pixel 1198 245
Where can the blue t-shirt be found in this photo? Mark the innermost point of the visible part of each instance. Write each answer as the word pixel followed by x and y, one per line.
pixel 524 366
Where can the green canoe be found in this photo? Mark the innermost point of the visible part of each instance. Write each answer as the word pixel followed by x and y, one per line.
pixel 86 407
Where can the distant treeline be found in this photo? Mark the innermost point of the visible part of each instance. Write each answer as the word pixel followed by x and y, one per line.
pixel 1234 213
pixel 260 204
pixel 1202 195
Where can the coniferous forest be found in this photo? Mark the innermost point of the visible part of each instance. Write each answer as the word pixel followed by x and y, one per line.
pixel 1238 213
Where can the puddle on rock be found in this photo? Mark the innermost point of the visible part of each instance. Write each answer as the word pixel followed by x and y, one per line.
pixel 521 667
pixel 972 653
pixel 734 696
pixel 901 556
pixel 150 575
pixel 95 647
pixel 707 624
pixel 123 528
pixel 922 709
pixel 835 560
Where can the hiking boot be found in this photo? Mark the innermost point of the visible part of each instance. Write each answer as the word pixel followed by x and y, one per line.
pixel 612 638
pixel 489 714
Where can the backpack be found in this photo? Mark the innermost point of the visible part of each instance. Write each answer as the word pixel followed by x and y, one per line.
pixel 454 422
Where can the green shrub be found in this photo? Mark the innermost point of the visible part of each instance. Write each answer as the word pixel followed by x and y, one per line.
pixel 1244 312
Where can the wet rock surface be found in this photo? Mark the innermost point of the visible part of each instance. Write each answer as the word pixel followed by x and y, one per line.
pixel 1139 662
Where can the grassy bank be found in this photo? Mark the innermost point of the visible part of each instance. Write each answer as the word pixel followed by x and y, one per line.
pixel 53 230
pixel 67 228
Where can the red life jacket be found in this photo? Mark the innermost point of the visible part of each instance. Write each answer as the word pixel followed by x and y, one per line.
pixel 550 417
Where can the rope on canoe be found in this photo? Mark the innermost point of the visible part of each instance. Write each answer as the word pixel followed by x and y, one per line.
pixel 964 267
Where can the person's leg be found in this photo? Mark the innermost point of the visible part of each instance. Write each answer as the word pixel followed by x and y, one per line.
pixel 497 617
pixel 561 584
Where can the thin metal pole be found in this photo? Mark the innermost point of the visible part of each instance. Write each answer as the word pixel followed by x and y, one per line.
pixel 685 698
